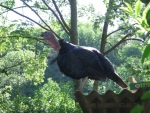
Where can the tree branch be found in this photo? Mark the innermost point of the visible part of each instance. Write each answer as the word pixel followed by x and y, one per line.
pixel 104 35
pixel 37 14
pixel 56 16
pixel 137 39
pixel 115 31
pixel 32 38
pixel 21 7
pixel 109 43
pixel 61 17
pixel 116 45
pixel 105 28
pixel 24 16
pixel 13 9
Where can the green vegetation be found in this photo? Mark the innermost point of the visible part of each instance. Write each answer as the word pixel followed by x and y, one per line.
pixel 49 98
pixel 30 84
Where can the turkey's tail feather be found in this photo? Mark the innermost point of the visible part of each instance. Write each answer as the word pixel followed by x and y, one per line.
pixel 121 83
pixel 115 77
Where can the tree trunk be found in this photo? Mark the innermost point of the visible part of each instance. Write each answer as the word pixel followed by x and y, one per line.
pixel 103 40
pixel 74 33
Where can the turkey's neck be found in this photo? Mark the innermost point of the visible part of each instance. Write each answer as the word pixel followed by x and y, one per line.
pixel 65 47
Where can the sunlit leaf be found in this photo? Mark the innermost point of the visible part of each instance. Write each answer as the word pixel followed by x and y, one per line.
pixel 144 24
pixel 146 53
pixel 137 7
pixel 145 13
pixel 126 10
pixel 139 20
pixel 129 7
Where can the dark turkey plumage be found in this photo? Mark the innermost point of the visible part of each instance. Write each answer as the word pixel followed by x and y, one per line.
pixel 79 61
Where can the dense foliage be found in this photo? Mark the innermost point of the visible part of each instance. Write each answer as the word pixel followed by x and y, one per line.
pixel 51 97
pixel 29 83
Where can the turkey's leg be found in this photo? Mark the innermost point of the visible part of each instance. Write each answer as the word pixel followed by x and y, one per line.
pixel 83 83
pixel 77 84
pixel 95 85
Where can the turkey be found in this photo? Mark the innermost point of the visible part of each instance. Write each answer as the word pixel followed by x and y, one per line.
pixel 82 62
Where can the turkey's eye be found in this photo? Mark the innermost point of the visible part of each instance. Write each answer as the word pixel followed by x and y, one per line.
pixel 45 34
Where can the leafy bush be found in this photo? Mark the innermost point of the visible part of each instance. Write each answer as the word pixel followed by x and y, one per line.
pixel 50 98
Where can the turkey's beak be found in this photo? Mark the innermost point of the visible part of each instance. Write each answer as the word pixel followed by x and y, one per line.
pixel 51 40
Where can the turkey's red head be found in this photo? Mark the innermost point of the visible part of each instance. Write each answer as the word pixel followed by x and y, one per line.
pixel 51 40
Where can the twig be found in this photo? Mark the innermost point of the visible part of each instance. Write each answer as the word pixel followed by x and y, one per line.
pixel 117 44
pixel 22 37
pixel 13 9
pixel 32 38
pixel 63 21
pixel 119 30
pixel 22 7
pixel 115 31
pixel 134 39
pixel 56 16
pixel 37 14
pixel 24 16
pixel 109 43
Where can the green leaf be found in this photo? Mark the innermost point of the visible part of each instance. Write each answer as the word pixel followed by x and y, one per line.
pixel 129 7
pixel 37 5
pixel 139 20
pixel 148 17
pixel 126 10
pixel 146 95
pixel 145 13
pixel 137 109
pixel 146 53
pixel 137 8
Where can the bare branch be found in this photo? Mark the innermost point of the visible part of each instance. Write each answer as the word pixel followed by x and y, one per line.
pixel 9 9
pixel 63 21
pixel 13 9
pixel 22 37
pixel 109 43
pixel 29 37
pixel 137 39
pixel 116 45
pixel 24 16
pixel 36 14
pixel 115 31
pixel 56 17
pixel 32 38
pixel 22 7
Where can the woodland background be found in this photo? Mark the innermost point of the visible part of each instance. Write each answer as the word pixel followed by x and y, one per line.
pixel 30 84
